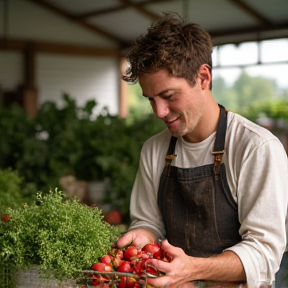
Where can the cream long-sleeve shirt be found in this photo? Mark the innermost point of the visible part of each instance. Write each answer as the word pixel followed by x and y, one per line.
pixel 257 171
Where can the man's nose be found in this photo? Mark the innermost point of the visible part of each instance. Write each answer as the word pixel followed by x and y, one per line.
pixel 160 108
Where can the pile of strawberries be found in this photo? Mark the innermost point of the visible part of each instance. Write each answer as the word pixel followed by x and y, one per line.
pixel 130 260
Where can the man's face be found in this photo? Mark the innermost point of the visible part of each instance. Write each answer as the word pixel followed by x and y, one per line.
pixel 174 101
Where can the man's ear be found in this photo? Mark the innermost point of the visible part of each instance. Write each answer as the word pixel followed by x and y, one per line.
pixel 205 76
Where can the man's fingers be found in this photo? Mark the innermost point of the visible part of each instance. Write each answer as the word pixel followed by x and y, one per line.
pixel 169 282
pixel 125 240
pixel 161 281
pixel 160 265
pixel 137 237
pixel 170 250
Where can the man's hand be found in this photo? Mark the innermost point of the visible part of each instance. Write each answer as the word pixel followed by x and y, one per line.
pixel 177 269
pixel 138 237
pixel 181 268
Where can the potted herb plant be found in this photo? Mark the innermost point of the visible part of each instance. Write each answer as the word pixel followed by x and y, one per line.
pixel 60 236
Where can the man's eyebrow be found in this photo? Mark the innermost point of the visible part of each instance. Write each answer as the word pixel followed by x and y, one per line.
pixel 162 92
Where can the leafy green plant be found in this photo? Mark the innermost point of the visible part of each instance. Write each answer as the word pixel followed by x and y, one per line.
pixel 15 127
pixel 60 235
pixel 72 140
pixel 13 191
pixel 274 109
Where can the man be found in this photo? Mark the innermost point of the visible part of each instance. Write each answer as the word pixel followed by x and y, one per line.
pixel 213 184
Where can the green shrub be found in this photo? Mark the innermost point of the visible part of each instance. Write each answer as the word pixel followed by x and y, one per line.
pixel 71 140
pixel 13 191
pixel 61 235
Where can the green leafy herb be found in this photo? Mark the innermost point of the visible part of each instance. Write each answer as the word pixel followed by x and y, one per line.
pixel 60 235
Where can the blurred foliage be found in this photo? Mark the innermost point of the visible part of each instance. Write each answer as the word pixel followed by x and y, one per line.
pixel 252 97
pixel 13 191
pixel 275 109
pixel 72 140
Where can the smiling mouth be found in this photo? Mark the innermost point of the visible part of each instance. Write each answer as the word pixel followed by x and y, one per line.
pixel 170 121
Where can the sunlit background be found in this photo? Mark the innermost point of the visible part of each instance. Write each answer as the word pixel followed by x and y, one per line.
pixel 267 59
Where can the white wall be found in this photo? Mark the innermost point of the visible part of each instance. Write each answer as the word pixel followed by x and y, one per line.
pixel 83 78
pixel 11 70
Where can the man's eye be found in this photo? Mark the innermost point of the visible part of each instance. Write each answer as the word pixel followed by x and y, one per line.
pixel 169 97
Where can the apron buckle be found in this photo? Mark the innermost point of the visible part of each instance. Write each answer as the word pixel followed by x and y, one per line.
pixel 217 162
pixel 168 161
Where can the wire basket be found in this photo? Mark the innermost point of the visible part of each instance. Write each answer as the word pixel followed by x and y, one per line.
pixel 31 278
pixel 115 279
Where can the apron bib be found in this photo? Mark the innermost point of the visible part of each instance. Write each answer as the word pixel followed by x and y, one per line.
pixel 199 212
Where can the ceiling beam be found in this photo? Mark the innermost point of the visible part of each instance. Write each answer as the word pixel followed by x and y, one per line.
pixel 247 30
pixel 56 48
pixel 252 12
pixel 248 34
pixel 55 9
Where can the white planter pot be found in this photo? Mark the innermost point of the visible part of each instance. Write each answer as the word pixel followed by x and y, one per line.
pixel 97 191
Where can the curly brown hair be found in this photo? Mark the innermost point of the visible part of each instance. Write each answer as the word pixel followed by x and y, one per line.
pixel 170 44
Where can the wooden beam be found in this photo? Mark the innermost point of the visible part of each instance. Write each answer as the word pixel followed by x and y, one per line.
pixel 29 90
pixel 16 44
pixel 30 101
pixel 29 66
pixel 57 48
pixel 248 30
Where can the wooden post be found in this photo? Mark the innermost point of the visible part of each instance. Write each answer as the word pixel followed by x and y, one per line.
pixel 30 97
pixel 30 93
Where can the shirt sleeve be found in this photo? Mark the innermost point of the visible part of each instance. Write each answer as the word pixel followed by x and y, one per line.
pixel 144 210
pixel 262 193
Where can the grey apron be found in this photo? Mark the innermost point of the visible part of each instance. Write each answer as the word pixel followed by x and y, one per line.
pixel 198 210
